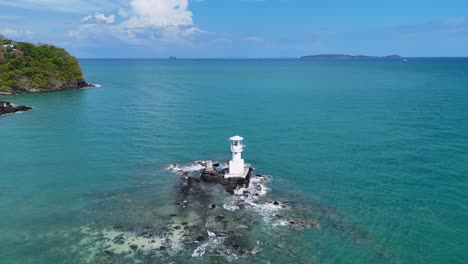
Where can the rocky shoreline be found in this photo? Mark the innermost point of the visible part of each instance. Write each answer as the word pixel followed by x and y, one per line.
pixel 9 108
pixel 77 86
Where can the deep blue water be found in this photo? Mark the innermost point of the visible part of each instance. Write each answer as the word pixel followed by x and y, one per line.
pixel 376 151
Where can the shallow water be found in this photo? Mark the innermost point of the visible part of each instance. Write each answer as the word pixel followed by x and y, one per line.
pixel 375 151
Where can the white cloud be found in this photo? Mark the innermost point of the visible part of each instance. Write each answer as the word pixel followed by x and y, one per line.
pixel 99 18
pixel 159 13
pixel 144 21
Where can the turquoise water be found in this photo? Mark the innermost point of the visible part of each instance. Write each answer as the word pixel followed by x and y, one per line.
pixel 376 151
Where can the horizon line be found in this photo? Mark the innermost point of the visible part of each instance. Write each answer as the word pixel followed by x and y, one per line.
pixel 258 58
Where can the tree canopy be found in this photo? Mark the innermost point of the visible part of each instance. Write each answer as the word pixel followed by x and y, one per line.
pixel 25 67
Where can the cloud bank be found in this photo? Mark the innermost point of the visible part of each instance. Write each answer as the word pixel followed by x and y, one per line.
pixel 98 18
pixel 142 21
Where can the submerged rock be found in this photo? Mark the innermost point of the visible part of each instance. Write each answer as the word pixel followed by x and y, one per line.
pixel 134 247
pixel 200 239
pixel 120 239
pixel 220 218
pixel 146 234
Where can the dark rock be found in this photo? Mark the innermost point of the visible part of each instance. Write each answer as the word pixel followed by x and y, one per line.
pixel 200 238
pixel 162 248
pixel 241 205
pixel 222 234
pixel 176 227
pixel 213 206
pixel 211 176
pixel 174 215
pixel 134 247
pixel 153 241
pixel 189 184
pixel 185 189
pixel 8 108
pixel 73 85
pixel 119 240
pixel 184 223
pixel 276 203
pixel 220 218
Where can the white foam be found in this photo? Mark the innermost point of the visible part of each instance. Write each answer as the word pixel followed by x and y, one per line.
pixel 257 189
pixel 231 208
pixel 215 243
pixel 200 250
pixel 280 222
pixel 188 168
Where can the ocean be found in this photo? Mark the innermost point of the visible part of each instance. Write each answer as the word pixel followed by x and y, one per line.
pixel 368 161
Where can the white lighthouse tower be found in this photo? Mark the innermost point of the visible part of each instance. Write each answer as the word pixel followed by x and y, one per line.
pixel 236 164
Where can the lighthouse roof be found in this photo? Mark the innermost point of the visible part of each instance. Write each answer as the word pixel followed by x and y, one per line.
pixel 236 138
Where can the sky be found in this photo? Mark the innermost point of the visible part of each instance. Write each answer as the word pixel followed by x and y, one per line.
pixel 240 28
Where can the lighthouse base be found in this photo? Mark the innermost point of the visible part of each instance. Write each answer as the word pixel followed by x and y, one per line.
pixel 230 182
pixel 243 175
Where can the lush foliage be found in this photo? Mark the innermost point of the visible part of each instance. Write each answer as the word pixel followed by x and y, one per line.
pixel 25 66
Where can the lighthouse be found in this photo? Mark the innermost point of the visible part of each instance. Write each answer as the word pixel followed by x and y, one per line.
pixel 237 167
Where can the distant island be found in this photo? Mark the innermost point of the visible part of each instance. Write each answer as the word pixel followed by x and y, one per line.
pixel 25 67
pixel 350 57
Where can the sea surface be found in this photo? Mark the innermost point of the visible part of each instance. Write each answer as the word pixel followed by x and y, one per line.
pixel 371 157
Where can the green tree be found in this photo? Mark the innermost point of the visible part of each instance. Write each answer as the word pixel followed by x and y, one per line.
pixel 26 66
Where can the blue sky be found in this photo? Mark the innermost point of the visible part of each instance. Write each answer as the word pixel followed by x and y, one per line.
pixel 240 28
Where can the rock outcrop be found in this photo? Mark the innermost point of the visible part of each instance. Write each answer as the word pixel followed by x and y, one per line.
pixel 8 108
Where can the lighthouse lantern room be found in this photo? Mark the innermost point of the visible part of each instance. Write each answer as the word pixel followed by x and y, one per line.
pixel 236 164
